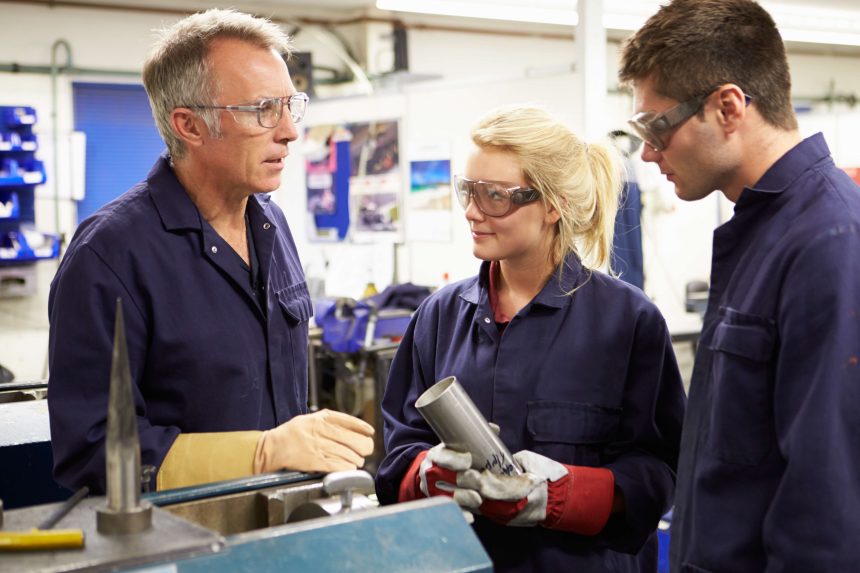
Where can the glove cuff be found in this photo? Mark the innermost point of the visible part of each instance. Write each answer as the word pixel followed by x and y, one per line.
pixel 581 501
pixel 410 485
pixel 262 457
pixel 196 458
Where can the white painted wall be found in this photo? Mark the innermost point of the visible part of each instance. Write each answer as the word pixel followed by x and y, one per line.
pixel 477 72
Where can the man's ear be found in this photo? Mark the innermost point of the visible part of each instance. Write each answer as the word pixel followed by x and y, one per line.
pixel 731 107
pixel 188 126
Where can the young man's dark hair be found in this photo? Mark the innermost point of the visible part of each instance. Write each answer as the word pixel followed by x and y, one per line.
pixel 690 46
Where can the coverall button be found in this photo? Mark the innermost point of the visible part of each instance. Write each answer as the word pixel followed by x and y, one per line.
pixel 267 226
pixel 214 249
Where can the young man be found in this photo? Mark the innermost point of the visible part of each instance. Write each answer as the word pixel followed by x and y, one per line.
pixel 213 293
pixel 769 467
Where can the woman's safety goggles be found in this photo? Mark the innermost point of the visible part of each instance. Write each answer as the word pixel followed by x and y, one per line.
pixel 492 198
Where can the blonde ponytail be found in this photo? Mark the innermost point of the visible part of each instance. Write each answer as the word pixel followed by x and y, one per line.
pixel 607 181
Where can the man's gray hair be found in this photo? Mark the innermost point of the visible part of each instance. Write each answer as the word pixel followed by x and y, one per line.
pixel 177 74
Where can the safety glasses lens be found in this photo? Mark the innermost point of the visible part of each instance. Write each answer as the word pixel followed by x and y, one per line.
pixel 270 112
pixel 298 105
pixel 642 127
pixel 491 198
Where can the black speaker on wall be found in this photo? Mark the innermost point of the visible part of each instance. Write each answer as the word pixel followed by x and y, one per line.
pixel 301 71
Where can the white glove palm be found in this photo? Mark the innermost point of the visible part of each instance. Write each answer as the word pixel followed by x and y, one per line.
pixel 440 473
pixel 515 500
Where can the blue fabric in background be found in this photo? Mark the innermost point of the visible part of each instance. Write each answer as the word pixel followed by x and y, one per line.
pixel 627 247
pixel 340 218
pixel 122 140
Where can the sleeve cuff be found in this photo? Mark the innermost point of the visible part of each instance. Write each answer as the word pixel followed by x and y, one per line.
pixel 581 501
pixel 410 485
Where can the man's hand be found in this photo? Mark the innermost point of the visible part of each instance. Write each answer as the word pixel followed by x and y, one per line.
pixel 440 472
pixel 516 500
pixel 325 441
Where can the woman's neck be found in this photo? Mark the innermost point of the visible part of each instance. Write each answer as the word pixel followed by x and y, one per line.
pixel 517 283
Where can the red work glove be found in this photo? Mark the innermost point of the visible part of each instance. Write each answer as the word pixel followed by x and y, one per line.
pixel 436 472
pixel 550 494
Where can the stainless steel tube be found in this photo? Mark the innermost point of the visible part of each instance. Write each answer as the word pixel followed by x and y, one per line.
pixel 460 425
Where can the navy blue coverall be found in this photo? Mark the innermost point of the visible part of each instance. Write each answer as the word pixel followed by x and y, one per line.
pixel 588 379
pixel 769 475
pixel 205 355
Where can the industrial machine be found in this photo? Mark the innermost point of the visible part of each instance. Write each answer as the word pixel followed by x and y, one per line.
pixel 285 521
pixel 246 525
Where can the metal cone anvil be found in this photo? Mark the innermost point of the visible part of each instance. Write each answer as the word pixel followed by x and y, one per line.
pixel 124 512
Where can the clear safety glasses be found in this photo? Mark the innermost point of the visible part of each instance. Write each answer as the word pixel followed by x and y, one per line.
pixel 269 111
pixel 492 198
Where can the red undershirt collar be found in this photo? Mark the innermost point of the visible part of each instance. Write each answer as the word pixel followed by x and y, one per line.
pixel 499 316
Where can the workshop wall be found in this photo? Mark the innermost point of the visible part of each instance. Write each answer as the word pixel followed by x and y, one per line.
pixel 464 74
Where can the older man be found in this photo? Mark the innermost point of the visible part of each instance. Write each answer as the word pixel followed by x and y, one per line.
pixel 214 297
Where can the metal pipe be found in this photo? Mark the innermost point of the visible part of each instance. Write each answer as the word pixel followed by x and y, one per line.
pixel 16 68
pixel 460 425
pixel 55 139
pixel 64 509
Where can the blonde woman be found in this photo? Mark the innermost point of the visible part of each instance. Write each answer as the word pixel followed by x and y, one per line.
pixel 576 367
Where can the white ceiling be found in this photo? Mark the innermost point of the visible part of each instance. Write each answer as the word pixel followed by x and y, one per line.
pixel 831 16
pixel 832 4
pixel 812 6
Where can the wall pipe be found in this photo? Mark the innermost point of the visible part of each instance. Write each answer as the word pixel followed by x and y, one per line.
pixel 55 139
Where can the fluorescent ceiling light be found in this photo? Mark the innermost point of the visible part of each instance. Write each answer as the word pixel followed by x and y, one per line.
pixel 796 23
pixel 618 14
pixel 545 12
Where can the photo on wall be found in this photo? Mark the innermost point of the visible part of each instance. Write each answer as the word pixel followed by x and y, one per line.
pixel 429 200
pixel 354 181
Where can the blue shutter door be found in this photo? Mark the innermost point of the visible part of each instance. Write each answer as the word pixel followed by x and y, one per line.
pixel 122 140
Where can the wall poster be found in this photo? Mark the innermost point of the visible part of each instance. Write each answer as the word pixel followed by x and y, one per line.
pixel 354 181
pixel 429 200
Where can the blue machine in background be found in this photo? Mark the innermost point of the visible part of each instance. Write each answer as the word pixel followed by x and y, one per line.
pixel 350 325
pixel 352 349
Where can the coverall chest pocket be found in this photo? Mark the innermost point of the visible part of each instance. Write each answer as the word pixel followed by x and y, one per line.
pixel 742 419
pixel 571 432
pixel 295 303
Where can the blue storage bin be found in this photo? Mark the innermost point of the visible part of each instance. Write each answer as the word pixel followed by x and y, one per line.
pixel 10 207
pixel 14 116
pixel 20 173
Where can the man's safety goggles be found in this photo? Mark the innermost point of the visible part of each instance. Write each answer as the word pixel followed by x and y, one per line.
pixel 492 198
pixel 656 128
